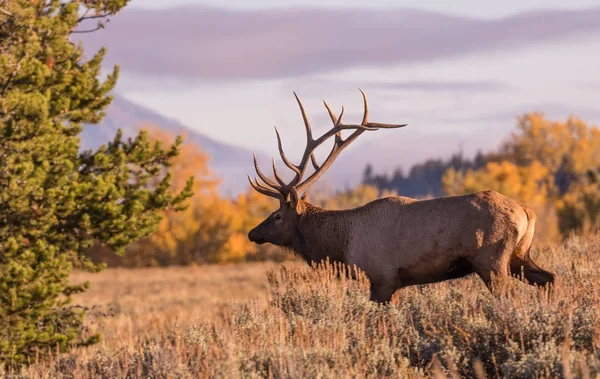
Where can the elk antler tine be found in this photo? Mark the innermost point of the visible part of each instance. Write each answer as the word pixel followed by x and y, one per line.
pixel 331 114
pixel 313 160
pixel 339 121
pixel 277 177
pixel 276 192
pixel 258 184
pixel 262 176
pixel 283 156
pixel 366 106
pixel 305 117
pixel 375 126
pixel 265 191
pixel 255 186
pixel 251 182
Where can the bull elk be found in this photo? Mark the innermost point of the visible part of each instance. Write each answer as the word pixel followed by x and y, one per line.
pixel 397 241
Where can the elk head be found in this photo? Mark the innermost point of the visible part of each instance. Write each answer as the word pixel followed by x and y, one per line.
pixel 279 228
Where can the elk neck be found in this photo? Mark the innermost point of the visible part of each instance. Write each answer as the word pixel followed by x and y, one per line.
pixel 321 234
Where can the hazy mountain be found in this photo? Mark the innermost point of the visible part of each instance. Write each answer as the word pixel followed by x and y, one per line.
pixel 231 163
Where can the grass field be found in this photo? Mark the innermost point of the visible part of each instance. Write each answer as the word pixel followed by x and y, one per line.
pixel 135 303
pixel 295 322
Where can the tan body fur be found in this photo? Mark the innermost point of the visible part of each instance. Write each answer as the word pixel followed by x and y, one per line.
pixel 400 241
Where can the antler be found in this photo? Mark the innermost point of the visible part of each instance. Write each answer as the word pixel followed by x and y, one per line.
pixel 280 189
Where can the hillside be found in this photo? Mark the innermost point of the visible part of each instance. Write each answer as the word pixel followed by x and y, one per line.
pixel 230 163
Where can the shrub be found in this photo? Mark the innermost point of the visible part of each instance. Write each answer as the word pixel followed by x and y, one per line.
pixel 55 201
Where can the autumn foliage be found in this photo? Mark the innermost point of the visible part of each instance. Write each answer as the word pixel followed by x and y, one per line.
pixel 212 229
pixel 551 166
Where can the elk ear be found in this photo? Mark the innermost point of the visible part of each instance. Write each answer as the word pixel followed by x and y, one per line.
pixel 295 201
pixel 305 197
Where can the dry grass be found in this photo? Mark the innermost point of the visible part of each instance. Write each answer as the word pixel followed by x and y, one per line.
pixel 136 303
pixel 200 322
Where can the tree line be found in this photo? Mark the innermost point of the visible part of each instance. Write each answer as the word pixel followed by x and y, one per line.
pixel 423 179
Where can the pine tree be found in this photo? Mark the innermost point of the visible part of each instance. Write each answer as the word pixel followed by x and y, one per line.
pixel 56 201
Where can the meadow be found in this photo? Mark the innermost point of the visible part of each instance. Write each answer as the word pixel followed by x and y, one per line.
pixel 268 320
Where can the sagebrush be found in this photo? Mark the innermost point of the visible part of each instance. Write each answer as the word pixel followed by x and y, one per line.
pixel 313 324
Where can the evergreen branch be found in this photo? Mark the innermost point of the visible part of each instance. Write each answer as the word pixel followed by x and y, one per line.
pixel 94 17
pixel 100 26
pixel 13 74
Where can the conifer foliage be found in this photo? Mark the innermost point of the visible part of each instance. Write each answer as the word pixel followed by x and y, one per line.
pixel 56 201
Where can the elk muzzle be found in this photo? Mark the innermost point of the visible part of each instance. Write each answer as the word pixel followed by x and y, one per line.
pixel 256 237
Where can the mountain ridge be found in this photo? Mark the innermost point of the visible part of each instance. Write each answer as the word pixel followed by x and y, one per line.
pixel 229 162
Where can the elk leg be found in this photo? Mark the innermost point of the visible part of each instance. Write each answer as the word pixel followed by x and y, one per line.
pixel 522 265
pixel 492 280
pixel 529 272
pixel 491 264
pixel 537 275
pixel 382 293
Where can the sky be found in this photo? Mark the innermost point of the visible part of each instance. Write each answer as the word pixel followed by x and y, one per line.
pixel 459 73
pixel 472 8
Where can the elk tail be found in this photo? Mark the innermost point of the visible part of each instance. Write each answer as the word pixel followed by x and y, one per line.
pixel 522 260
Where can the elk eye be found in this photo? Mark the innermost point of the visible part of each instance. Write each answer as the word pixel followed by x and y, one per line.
pixel 277 217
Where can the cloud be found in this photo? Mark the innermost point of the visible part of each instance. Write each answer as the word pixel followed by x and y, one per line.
pixel 590 85
pixel 204 43
pixel 317 86
pixel 454 86
pixel 553 111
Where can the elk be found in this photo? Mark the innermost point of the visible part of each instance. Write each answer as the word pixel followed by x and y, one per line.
pixel 397 241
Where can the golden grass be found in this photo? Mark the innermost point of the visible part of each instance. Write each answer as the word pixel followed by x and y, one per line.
pixel 135 303
pixel 232 321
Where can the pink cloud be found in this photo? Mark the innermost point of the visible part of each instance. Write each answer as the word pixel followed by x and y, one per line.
pixel 209 43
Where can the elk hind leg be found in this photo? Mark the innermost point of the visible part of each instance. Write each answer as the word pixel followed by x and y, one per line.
pixel 524 268
pixel 522 265
pixel 529 272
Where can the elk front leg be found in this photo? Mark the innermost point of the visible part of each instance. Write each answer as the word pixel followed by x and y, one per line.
pixel 382 293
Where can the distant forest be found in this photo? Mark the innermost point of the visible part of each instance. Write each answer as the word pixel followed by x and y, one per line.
pixel 423 179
